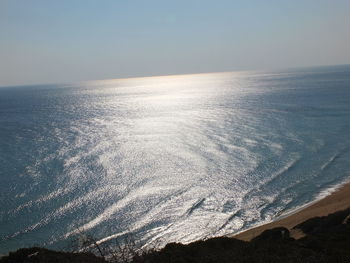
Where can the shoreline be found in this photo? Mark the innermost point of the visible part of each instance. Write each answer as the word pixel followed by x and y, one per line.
pixel 335 201
pixel 331 234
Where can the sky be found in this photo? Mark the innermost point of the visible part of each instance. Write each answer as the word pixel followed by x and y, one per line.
pixel 65 41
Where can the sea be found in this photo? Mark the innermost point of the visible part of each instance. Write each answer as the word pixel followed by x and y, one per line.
pixel 170 158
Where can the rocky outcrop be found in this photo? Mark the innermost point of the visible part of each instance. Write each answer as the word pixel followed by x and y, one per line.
pixel 42 255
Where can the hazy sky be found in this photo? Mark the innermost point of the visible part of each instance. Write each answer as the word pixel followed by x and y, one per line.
pixel 44 41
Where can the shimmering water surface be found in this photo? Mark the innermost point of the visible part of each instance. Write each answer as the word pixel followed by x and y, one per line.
pixel 174 158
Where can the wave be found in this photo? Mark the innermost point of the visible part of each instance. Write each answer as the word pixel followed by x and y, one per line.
pixel 195 206
pixel 336 156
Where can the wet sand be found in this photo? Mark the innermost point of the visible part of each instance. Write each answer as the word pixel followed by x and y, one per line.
pixel 338 200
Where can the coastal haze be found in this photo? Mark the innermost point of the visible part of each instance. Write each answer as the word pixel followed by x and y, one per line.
pixel 173 158
pixel 67 41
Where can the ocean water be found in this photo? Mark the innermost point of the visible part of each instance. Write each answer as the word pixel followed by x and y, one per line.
pixel 173 158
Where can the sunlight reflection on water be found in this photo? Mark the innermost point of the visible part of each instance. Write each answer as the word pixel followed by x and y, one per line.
pixel 175 158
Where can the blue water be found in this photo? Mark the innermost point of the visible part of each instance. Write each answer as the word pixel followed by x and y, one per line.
pixel 174 158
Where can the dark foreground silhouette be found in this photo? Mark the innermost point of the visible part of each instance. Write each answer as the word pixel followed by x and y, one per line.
pixel 327 240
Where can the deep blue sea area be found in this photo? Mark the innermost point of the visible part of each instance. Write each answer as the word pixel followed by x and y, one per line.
pixel 173 158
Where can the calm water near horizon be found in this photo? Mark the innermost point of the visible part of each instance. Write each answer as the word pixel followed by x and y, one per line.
pixel 173 158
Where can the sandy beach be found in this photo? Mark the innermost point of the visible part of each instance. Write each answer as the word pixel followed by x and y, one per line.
pixel 338 200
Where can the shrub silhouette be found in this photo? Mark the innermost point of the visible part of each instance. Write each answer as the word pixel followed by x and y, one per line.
pixel 327 240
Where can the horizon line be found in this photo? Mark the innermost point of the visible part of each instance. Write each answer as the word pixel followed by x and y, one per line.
pixel 167 75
